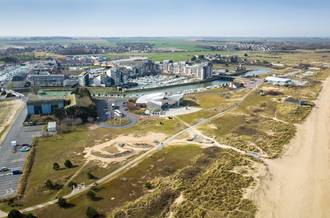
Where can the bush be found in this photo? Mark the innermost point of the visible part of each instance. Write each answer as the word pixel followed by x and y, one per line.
pixel 91 176
pixel 91 212
pixel 68 164
pixel 56 166
pixel 91 195
pixel 148 185
pixel 52 186
pixel 72 184
pixel 15 214
pixel 62 202
pixel 49 184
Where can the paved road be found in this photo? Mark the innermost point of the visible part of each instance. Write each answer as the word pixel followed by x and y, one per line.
pixel 13 161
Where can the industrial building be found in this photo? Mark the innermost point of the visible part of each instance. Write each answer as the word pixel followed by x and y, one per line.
pixel 160 101
pixel 44 105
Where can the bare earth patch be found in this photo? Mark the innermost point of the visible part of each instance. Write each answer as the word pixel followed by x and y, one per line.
pixel 122 147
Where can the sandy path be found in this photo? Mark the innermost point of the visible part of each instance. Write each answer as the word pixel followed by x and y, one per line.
pixel 298 184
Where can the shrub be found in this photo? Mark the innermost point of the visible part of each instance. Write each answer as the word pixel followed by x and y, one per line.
pixel 91 195
pixel 68 164
pixel 62 202
pixel 91 212
pixel 52 186
pixel 49 184
pixel 15 214
pixel 72 184
pixel 56 166
pixel 148 185
pixel 91 176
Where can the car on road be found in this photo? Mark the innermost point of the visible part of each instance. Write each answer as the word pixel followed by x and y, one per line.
pixel 4 169
pixel 16 172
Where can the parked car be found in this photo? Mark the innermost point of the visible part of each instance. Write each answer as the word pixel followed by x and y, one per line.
pixel 17 172
pixel 4 169
pixel 25 149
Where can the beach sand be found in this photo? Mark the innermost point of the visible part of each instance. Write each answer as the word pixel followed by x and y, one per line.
pixel 298 184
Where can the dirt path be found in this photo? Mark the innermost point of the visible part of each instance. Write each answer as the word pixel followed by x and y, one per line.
pixel 298 184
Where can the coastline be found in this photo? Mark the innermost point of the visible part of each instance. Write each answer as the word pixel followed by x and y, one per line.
pixel 298 183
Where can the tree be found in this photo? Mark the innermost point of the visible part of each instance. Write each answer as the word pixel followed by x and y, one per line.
pixel 246 54
pixel 59 113
pixel 49 184
pixel 72 184
pixel 56 166
pixel 91 212
pixel 148 185
pixel 68 164
pixel 15 214
pixel 62 202
pixel 91 195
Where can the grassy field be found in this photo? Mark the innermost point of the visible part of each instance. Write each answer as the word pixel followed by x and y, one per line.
pixel 216 176
pixel 130 185
pixel 211 102
pixel 174 56
pixel 70 146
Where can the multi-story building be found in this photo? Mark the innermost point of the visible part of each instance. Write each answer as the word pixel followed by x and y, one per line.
pixel 149 68
pixel 83 79
pixel 46 80
pixel 201 71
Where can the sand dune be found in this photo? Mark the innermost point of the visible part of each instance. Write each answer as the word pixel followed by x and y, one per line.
pixel 298 184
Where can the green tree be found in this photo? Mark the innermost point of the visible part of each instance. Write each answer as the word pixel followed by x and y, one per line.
pixel 91 176
pixel 49 184
pixel 15 214
pixel 72 184
pixel 91 195
pixel 148 185
pixel 91 212
pixel 56 166
pixel 62 202
pixel 68 164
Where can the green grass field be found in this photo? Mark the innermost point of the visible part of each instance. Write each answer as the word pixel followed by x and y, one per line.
pixel 130 185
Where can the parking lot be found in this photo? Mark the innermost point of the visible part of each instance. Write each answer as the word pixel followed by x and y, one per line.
pixel 15 160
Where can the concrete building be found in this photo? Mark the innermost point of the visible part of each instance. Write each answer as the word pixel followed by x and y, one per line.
pixel 44 106
pixel 200 71
pixel 46 80
pixel 83 79
pixel 18 82
pixel 149 68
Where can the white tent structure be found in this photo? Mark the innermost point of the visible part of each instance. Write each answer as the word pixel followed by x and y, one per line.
pixel 159 101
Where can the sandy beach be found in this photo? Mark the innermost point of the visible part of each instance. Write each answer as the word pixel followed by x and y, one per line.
pixel 298 184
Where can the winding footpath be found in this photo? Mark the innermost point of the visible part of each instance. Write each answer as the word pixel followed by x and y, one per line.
pixel 297 185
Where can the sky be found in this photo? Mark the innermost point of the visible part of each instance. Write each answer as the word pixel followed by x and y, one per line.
pixel 112 18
